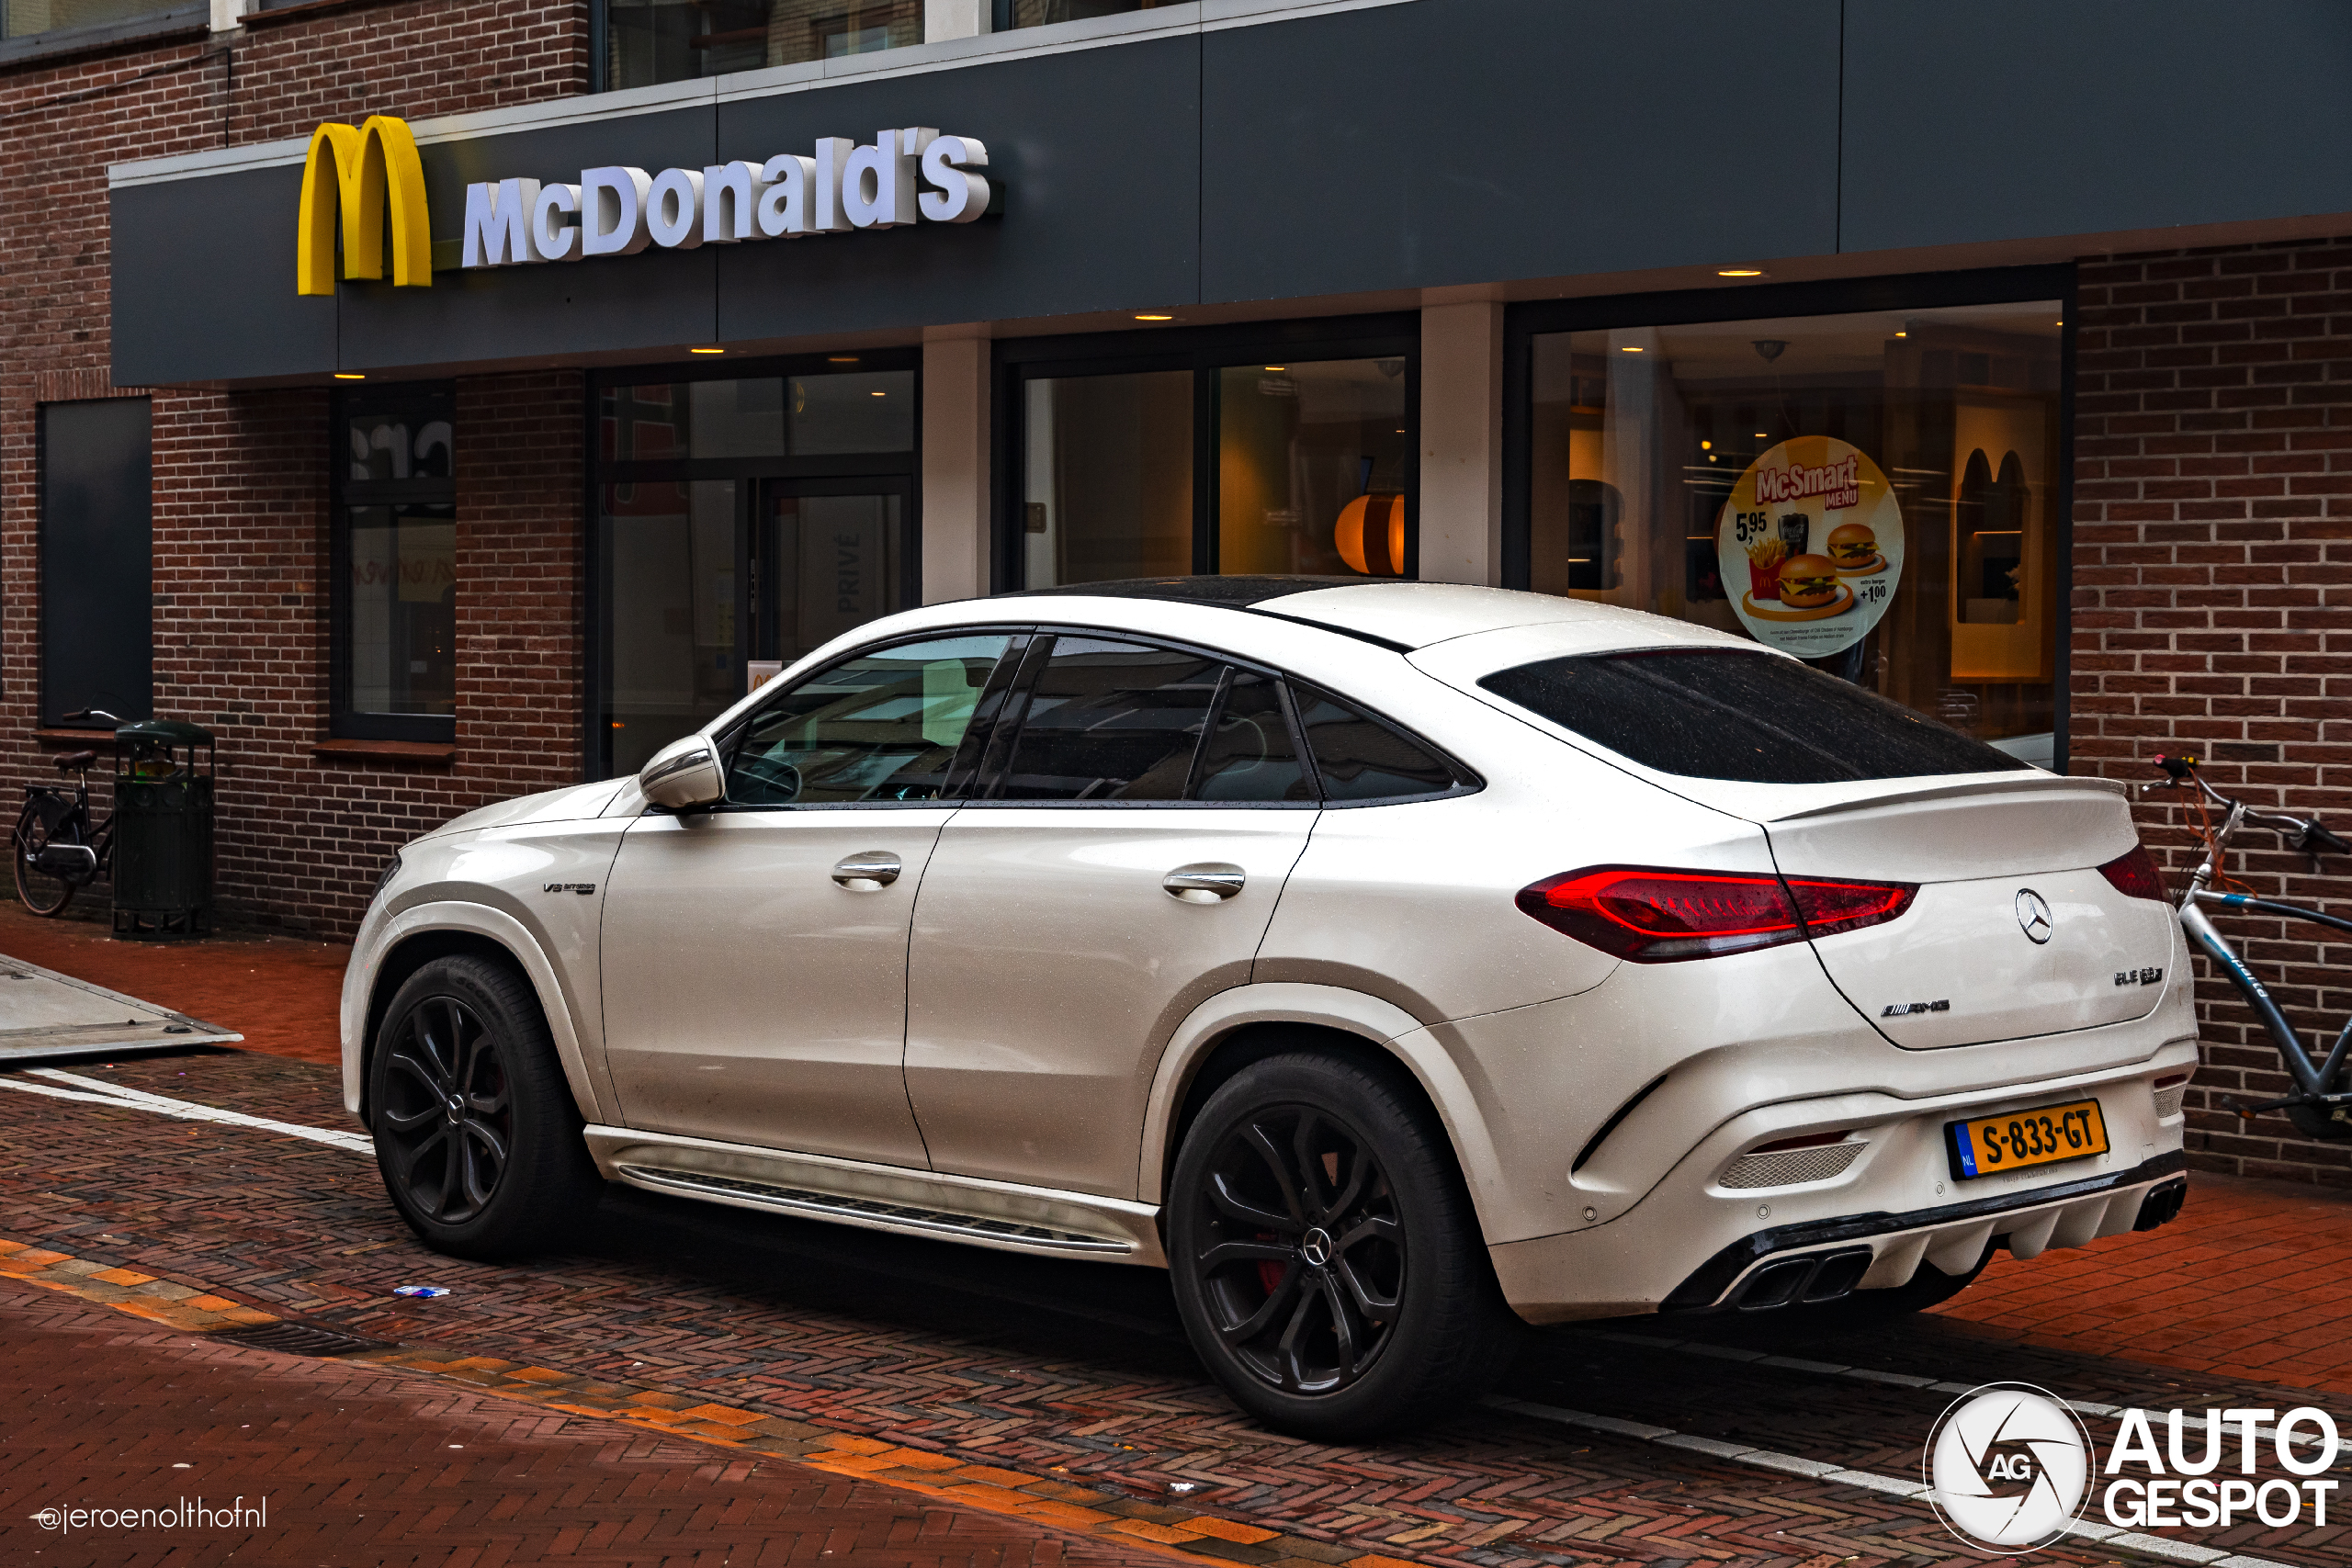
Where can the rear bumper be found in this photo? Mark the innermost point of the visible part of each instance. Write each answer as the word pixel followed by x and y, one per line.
pixel 1951 1236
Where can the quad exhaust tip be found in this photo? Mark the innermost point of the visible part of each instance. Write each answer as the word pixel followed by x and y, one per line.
pixel 1821 1277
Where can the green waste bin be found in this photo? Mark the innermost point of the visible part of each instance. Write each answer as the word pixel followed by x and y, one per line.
pixel 163 830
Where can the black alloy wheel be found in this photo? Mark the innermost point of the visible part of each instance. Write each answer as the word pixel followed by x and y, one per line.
pixel 41 892
pixel 478 1140
pixel 1327 1259
pixel 447 1117
pixel 1303 1259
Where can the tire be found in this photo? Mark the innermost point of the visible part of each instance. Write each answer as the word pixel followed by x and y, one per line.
pixel 477 1138
pixel 1327 1261
pixel 37 890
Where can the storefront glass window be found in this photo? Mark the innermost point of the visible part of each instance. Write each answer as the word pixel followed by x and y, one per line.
pixel 1012 13
pixel 396 549
pixel 1205 452
pixel 1876 493
pixel 679 41
pixel 741 522
pixel 23 18
pixel 669 573
pixel 814 415
pixel 1108 478
pixel 1311 467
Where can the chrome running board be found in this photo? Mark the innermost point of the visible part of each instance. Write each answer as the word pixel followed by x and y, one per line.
pixel 995 1214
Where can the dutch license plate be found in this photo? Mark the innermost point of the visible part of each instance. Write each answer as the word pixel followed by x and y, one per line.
pixel 2048 1134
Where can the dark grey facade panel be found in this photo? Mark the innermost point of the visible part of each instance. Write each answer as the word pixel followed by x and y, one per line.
pixel 1462 141
pixel 202 281
pixel 2013 118
pixel 96 559
pixel 658 299
pixel 1095 160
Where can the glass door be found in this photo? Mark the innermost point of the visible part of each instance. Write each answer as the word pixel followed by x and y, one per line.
pixel 825 556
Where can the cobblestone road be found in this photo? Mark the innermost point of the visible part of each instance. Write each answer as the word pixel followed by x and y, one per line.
pixel 1064 1392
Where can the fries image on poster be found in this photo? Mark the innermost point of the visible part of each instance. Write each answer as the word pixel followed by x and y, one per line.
pixel 1814 531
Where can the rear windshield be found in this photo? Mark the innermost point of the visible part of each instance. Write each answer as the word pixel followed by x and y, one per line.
pixel 1747 716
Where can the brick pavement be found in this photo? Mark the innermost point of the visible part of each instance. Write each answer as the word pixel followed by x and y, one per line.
pixel 281 993
pixel 1064 1373
pixel 361 1464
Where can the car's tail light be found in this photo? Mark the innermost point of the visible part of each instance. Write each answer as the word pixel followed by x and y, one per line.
pixel 1655 915
pixel 2136 875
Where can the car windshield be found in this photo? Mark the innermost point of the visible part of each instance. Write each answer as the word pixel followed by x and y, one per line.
pixel 1750 717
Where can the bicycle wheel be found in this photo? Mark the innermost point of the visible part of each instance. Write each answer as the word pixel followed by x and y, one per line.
pixel 42 892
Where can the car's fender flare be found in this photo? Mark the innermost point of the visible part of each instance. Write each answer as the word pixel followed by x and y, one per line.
pixel 1379 1023
pixel 497 926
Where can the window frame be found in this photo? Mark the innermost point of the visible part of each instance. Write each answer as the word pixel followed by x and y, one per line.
pixel 596 753
pixel 1204 351
pixel 344 722
pixel 1524 323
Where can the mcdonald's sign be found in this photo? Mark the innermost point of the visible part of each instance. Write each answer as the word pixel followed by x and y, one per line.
pixel 362 173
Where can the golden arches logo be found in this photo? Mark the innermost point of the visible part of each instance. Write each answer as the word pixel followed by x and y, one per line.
pixel 368 171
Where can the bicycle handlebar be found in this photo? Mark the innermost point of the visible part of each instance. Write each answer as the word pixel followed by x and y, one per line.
pixel 91 713
pixel 2310 837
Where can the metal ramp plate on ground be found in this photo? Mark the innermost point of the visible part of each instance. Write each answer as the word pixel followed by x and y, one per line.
pixel 44 1014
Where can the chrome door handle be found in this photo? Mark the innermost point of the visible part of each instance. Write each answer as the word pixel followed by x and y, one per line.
pixel 1209 881
pixel 869 871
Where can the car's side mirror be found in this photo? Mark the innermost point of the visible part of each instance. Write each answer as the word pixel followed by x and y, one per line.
pixel 682 774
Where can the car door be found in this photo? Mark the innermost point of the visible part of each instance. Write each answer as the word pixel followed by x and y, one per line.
pixel 1140 808
pixel 754 953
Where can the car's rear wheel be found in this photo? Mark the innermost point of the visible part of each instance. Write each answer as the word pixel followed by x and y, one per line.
pixel 1327 1263
pixel 476 1133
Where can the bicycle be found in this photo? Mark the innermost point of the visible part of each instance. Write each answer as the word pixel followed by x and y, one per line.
pixel 57 849
pixel 2317 1108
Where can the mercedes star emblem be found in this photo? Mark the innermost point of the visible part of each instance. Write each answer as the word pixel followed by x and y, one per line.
pixel 2033 916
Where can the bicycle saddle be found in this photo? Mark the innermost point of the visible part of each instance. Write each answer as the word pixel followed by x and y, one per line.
pixel 74 762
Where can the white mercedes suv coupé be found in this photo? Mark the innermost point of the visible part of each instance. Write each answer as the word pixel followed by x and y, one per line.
pixel 1389 961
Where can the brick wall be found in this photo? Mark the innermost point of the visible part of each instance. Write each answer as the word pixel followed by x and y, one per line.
pixel 2212 595
pixel 240 478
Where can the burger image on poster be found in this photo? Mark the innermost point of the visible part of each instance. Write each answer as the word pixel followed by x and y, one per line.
pixel 1812 530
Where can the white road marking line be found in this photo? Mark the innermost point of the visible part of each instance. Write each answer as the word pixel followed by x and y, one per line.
pixel 1871 1374
pixel 184 1110
pixel 1893 1485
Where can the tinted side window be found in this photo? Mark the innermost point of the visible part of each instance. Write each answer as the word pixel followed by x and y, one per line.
pixel 1363 757
pixel 1249 755
pixel 880 727
pixel 1111 720
pixel 1752 718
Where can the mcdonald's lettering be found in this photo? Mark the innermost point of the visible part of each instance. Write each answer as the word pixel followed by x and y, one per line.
pixel 362 174
pixel 904 176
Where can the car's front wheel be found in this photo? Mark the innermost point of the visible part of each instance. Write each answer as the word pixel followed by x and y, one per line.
pixel 1327 1263
pixel 476 1133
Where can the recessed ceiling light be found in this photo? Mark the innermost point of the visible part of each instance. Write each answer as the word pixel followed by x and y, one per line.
pixel 706 350
pixel 841 359
pixel 1152 316
pixel 1630 348
pixel 349 376
pixel 881 394
pixel 1278 368
pixel 1901 333
pixel 1763 435
pixel 1740 272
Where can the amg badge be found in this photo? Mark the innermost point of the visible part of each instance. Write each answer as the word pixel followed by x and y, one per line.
pixel 1904 1010
pixel 583 888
